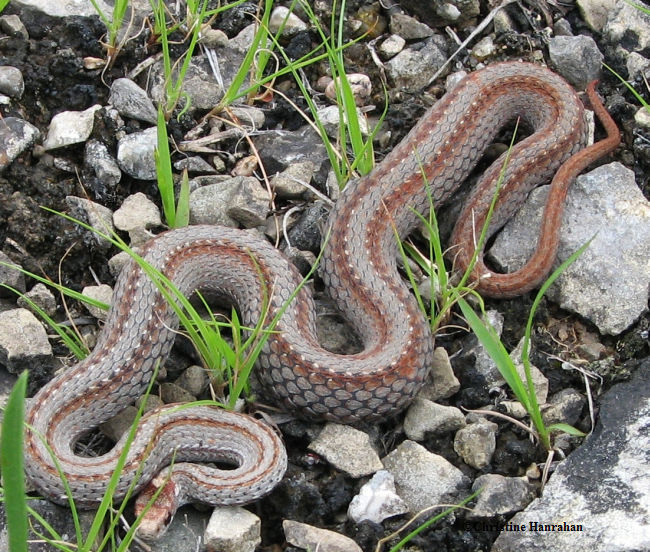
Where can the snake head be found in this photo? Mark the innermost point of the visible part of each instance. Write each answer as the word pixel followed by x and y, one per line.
pixel 155 507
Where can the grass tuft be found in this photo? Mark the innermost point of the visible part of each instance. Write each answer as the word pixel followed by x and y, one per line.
pixel 11 464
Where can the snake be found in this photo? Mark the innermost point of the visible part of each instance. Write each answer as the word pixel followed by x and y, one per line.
pixel 174 448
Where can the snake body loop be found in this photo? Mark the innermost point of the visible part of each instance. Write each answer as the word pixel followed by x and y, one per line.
pixel 360 274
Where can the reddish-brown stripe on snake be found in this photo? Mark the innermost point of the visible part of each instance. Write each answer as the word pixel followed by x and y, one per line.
pixel 360 273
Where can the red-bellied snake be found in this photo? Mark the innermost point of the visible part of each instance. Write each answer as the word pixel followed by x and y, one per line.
pixel 359 270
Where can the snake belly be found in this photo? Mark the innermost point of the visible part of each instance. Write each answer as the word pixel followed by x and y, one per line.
pixel 360 273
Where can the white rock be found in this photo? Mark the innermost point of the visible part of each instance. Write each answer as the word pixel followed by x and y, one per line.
pixel 608 284
pixel 476 443
pixel 103 293
pixel 137 211
pixel 70 127
pixel 315 539
pixel 424 417
pixel 132 101
pixel 135 154
pixel 290 22
pixel 347 449
pixel 377 500
pixel 422 478
pixel 233 529
pixel 22 339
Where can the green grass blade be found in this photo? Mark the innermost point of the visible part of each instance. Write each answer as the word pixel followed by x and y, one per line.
pixel 52 538
pixel 566 428
pixel 259 41
pixel 183 206
pixel 639 7
pixel 493 346
pixel 433 520
pixel 62 289
pixel 627 84
pixel 164 173
pixel 11 462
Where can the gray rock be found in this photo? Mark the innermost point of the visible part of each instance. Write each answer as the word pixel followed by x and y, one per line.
pixel 137 212
pixel 539 380
pixel 603 486
pixel 280 149
pixel 239 200
pixel 330 117
pixel 637 66
pixel 101 164
pixel 476 443
pixel 628 27
pixel 194 380
pixel 117 262
pixel 347 449
pixel 290 183
pixel 248 116
pixel 425 417
pixel 10 276
pixel 57 517
pixel 40 295
pixel 595 12
pixel 95 215
pixel 305 233
pixel 606 205
pixel 23 340
pixel 642 118
pixel 479 362
pixel 576 58
pixel 392 46
pixel 103 293
pixel 377 500
pixel 448 11
pixel 441 382
pixel 199 83
pixel 213 38
pixel 468 8
pixel 565 406
pixel 132 101
pixel 11 25
pixel 500 496
pixel 135 154
pixel 411 69
pixel 291 24
pixel 195 165
pixel 562 28
pixel 422 478
pixel 11 81
pixel 7 382
pixel 66 8
pixel 313 538
pixel 233 529
pixel 360 86
pixel 119 424
pixel 151 401
pixel 408 27
pixel 304 260
pixel 172 393
pixel 484 48
pixel 70 127
pixel 244 40
pixel 16 135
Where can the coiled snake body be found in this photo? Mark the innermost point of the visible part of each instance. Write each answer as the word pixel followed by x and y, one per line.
pixel 360 273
